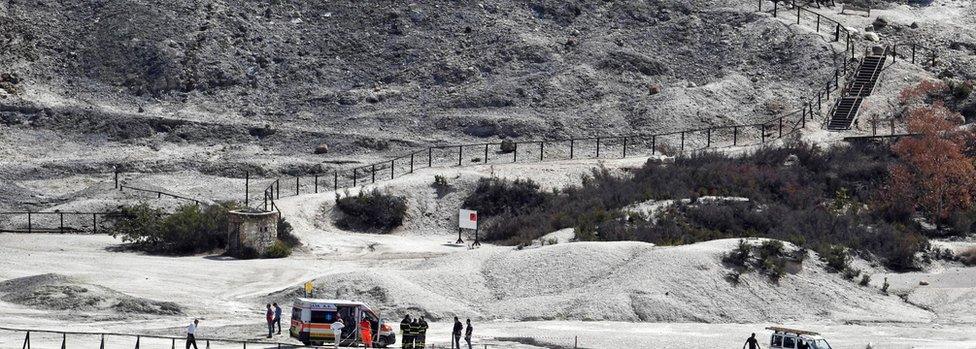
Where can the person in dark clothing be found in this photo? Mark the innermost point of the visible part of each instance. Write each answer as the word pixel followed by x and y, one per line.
pixel 421 327
pixel 456 343
pixel 467 333
pixel 405 332
pixel 277 316
pixel 269 317
pixel 751 342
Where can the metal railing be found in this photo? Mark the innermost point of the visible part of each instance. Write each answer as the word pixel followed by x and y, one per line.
pixel 137 340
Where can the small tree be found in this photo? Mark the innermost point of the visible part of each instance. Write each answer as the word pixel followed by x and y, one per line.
pixel 934 172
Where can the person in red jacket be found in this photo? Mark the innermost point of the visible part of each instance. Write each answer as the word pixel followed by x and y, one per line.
pixel 269 316
pixel 365 329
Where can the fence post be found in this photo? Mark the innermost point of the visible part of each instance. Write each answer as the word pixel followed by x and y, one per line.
pixel 575 342
pixel 572 142
pixel 430 157
pixel 297 184
pixel 818 23
pixel 26 341
pixel 708 138
pixel 335 178
pixel 277 188
pixel 874 127
pixel 373 173
pixel 762 132
pixel 411 162
pixel 515 153
pixel 392 168
pixel 102 345
pixel 625 147
pixel 29 225
pixel 682 142
pixel 798 15
pixel 775 8
pixel 266 199
pixel 486 153
pixel 247 187
pixel 316 183
pixel 94 223
pixel 653 144
pixel 355 173
pixel 137 342
pixel 735 135
pixel 804 118
pixel 913 53
pixel 598 147
pixel 173 346
pixel 542 150
pixel 460 153
pixel 61 226
pixel 117 171
pixel 892 123
pixel 780 127
pixel 837 33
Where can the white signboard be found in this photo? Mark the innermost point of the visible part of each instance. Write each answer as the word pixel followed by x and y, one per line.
pixel 468 219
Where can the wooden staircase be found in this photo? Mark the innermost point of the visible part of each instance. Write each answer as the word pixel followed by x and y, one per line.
pixel 858 87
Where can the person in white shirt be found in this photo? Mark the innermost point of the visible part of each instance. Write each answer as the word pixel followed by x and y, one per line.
pixel 190 331
pixel 337 330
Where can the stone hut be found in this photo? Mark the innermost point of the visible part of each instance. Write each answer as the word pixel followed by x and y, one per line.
pixel 251 229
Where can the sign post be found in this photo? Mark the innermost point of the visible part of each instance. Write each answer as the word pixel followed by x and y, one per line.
pixel 468 219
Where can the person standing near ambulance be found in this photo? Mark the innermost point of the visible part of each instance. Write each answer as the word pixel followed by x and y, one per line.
pixel 366 333
pixel 337 331
pixel 405 329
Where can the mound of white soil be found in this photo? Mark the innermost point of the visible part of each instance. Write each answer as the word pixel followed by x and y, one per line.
pixel 60 292
pixel 624 281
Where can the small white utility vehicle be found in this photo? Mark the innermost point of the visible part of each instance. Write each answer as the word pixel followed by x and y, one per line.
pixel 788 338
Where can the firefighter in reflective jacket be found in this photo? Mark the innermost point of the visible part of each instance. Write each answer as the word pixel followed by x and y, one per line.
pixel 407 333
pixel 421 326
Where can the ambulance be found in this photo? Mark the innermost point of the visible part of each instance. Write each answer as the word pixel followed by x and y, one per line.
pixel 311 320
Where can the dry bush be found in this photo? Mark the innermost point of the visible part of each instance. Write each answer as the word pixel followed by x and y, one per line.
pixel 968 256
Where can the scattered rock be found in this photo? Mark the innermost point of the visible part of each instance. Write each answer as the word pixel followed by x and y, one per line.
pixel 914 25
pixel 923 283
pixel 322 148
pixel 880 22
pixel 654 89
pixel 871 36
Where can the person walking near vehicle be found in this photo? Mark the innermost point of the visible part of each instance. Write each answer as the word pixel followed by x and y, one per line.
pixel 751 342
pixel 277 316
pixel 421 341
pixel 337 331
pixel 269 316
pixel 366 333
pixel 190 333
pixel 467 333
pixel 456 333
pixel 405 330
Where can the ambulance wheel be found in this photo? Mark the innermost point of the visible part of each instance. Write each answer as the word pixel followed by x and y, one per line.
pixel 307 343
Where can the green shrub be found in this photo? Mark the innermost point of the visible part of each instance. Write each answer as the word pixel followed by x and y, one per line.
pixel 508 146
pixel 865 280
pixel 188 230
pixel 285 234
pixel 278 250
pixel 371 211
pixel 962 90
pixel 495 195
pixel 850 273
pixel 836 258
pixel 440 185
pixel 739 256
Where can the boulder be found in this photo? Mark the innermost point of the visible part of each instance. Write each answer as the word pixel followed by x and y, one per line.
pixel 871 36
pixel 322 148
pixel 880 22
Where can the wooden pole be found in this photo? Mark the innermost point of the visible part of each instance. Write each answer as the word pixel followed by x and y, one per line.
pixel 392 168
pixel 515 153
pixel 247 187
pixel 653 144
pixel 355 173
pixel 460 153
pixel 486 153
pixel 316 183
pixel 735 135
pixel 373 172
pixel 682 142
pixel 598 147
pixel 411 163
pixel 335 179
pixel 430 157
pixel 542 150
pixel 572 142
pixel 625 148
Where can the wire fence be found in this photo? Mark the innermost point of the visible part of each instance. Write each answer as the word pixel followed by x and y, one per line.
pixel 50 338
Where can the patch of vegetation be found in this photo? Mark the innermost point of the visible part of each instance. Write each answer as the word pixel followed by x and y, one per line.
pixel 190 229
pixel 285 234
pixel 768 258
pixel 441 185
pixel 374 211
pixel 277 250
pixel 508 146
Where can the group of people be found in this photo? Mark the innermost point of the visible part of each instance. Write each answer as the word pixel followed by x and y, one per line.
pixel 414 333
pixel 274 318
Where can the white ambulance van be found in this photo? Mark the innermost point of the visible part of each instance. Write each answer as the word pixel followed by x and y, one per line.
pixel 311 319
